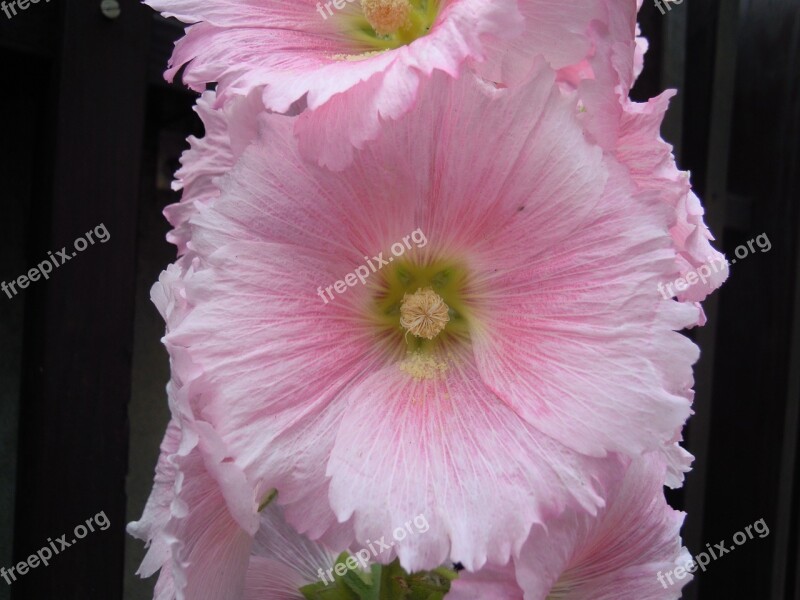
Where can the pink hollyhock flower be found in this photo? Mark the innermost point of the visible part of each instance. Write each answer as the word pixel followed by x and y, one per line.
pixel 364 62
pixel 353 65
pixel 623 553
pixel 493 365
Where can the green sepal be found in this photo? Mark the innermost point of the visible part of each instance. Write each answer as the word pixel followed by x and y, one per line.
pixel 271 495
pixel 383 582
pixel 362 584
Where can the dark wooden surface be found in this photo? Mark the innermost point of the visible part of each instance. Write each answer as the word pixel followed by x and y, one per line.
pixel 22 102
pixel 753 434
pixel 78 331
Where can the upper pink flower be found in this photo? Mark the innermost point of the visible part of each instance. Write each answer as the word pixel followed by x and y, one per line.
pixel 353 65
pixel 493 365
pixel 623 553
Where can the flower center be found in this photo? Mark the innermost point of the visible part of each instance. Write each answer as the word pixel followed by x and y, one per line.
pixel 424 313
pixel 388 24
pixel 428 303
pixel 386 16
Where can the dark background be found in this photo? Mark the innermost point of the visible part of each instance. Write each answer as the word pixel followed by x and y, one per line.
pixel 90 134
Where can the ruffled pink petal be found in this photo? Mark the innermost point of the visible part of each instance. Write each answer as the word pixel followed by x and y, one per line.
pixel 150 528
pixel 212 525
pixel 632 132
pixel 679 462
pixel 169 297
pixel 449 449
pixel 200 519
pixel 557 31
pixel 615 556
pixel 611 73
pixel 564 317
pixel 653 168
pixel 706 265
pixel 228 132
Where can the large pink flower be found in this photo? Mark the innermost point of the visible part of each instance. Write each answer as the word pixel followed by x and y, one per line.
pixel 494 365
pixel 621 554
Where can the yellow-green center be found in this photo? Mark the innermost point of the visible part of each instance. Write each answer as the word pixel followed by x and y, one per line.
pixel 423 305
pixel 422 312
pixel 389 24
